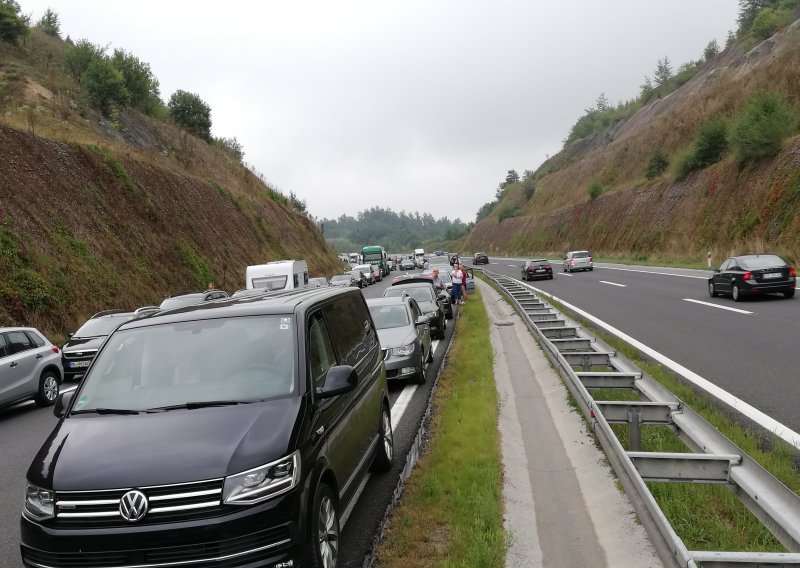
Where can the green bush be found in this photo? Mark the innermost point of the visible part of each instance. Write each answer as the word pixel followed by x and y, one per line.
pixel 105 85
pixel 509 211
pixel 762 126
pixel 657 165
pixel 709 146
pixel 78 57
pixel 12 24
pixel 595 189
pixel 770 20
pixel 192 113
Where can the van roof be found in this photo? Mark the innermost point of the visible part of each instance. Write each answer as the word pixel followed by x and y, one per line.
pixel 279 302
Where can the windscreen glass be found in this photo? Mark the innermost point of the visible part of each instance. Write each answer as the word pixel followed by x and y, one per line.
pixel 244 359
pixel 386 317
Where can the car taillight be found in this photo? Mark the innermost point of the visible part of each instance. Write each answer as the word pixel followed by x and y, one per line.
pixel 54 348
pixel 571 261
pixel 590 259
pixel 548 267
pixel 747 276
pixel 792 271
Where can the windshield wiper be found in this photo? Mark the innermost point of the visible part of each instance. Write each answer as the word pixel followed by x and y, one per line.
pixel 105 411
pixel 198 404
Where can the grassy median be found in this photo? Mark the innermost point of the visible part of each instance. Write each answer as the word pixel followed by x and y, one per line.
pixel 452 511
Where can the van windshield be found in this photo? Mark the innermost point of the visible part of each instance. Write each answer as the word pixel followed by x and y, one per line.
pixel 241 359
pixel 270 282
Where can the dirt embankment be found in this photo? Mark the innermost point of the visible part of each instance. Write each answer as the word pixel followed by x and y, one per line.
pixel 83 229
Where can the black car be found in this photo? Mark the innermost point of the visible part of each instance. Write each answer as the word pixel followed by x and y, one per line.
pixel 480 258
pixel 753 274
pixel 189 298
pixel 78 352
pixel 231 433
pixel 537 268
pixel 431 303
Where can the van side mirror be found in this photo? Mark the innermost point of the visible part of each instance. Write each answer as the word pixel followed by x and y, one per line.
pixel 423 320
pixel 338 380
pixel 62 403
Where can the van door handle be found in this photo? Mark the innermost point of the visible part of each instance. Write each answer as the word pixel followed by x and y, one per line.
pixel 13 364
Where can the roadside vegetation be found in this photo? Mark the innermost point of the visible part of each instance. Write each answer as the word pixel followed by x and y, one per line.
pixel 706 517
pixel 451 514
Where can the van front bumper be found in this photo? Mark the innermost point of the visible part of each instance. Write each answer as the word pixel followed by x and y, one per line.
pixel 262 535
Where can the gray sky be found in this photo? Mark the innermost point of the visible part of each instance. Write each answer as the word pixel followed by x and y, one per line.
pixel 414 104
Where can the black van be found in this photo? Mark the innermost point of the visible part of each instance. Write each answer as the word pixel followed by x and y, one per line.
pixel 231 433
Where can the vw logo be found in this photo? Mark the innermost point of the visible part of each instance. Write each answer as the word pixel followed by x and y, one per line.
pixel 133 506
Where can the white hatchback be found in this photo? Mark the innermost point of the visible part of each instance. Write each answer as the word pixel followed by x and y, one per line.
pixel 578 260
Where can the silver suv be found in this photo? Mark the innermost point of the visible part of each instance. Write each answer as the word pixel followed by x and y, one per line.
pixel 578 260
pixel 30 367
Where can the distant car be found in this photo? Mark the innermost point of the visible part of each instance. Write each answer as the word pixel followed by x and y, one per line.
pixel 345 280
pixel 453 259
pixel 480 258
pixel 441 261
pixel 447 281
pixel 317 282
pixel 750 275
pixel 431 303
pixel 438 252
pixel 30 367
pixel 359 277
pixel 405 336
pixel 377 274
pixel 578 260
pixel 407 264
pixel 184 299
pixel 366 269
pixel 537 268
pixel 77 353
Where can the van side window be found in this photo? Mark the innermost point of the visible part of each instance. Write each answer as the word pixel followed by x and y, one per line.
pixel 352 328
pixel 296 282
pixel 305 278
pixel 321 355
pixel 3 348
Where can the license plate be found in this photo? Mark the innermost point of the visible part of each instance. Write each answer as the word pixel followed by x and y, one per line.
pixel 540 270
pixel 772 275
pixel 78 364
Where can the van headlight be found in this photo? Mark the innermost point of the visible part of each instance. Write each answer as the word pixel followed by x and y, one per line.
pixel 262 483
pixel 404 350
pixel 39 503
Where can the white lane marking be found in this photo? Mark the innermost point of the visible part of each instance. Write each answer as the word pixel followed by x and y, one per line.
pixel 717 306
pixel 767 422
pixel 613 283
pixel 564 274
pixel 434 345
pixel 512 265
pixel 401 404
pixel 652 272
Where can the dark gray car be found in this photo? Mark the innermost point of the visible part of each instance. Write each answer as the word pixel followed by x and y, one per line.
pixel 30 367
pixel 405 336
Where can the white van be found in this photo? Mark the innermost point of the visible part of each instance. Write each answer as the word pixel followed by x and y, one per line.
pixel 419 254
pixel 277 275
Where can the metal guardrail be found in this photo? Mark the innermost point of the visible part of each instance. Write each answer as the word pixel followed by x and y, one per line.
pixel 716 459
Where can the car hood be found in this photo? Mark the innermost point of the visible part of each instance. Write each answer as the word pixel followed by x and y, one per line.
pixel 395 337
pixel 83 343
pixel 90 452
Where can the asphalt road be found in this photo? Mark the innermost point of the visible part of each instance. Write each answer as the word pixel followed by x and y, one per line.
pixel 746 348
pixel 24 427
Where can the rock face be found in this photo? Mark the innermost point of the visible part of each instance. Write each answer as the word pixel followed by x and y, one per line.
pixel 83 229
pixel 722 208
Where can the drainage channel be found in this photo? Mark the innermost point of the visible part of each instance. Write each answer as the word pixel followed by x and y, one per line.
pixel 587 363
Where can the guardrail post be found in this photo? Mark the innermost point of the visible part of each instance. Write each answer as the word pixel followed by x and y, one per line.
pixel 635 429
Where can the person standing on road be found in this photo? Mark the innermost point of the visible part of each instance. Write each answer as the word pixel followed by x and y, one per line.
pixel 464 285
pixel 458 277
pixel 437 282
pixel 425 264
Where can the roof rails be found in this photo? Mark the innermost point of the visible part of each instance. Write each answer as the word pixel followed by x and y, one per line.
pixel 146 311
pixel 108 313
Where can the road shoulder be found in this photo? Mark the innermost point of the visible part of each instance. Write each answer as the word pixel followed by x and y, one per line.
pixel 562 506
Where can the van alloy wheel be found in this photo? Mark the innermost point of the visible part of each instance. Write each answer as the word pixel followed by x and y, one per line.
pixel 384 453
pixel 327 549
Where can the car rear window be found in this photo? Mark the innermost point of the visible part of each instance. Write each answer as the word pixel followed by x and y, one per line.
pixel 758 262
pixel 387 317
pixel 582 254
pixel 419 293
pixel 100 326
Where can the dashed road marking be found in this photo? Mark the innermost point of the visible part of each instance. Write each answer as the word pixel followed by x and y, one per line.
pixel 563 273
pixel 613 283
pixel 737 310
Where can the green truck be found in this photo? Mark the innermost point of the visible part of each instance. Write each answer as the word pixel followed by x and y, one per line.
pixel 375 254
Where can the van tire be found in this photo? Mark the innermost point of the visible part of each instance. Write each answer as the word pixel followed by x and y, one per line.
pixel 384 454
pixel 324 530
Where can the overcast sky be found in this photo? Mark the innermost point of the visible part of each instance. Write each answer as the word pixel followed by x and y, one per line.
pixel 416 105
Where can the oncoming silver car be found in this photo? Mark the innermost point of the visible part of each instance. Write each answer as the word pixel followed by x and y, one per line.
pixel 30 367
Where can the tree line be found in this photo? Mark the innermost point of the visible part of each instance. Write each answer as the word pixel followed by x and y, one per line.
pixel 397 232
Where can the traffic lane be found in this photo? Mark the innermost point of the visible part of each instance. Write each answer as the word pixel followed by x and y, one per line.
pixel 748 355
pixel 367 513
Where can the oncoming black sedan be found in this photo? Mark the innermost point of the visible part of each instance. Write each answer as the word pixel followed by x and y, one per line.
pixel 537 268
pixel 753 274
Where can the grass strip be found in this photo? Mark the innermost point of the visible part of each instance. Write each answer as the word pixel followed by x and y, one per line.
pixel 452 511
